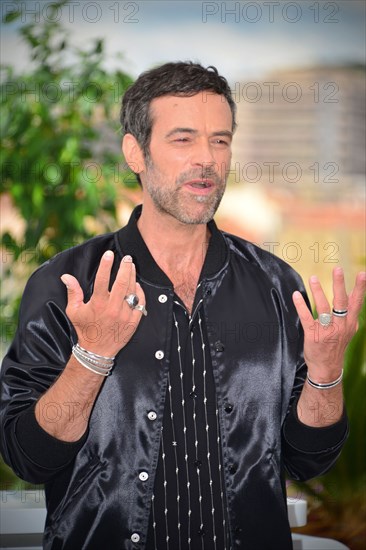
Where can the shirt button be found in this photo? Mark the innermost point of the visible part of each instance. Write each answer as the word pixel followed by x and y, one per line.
pixel 152 415
pixel 135 537
pixel 201 532
pixel 143 476
pixel 197 463
pixel 208 292
pixel 159 354
pixel 233 469
pixel 228 407
pixel 163 298
pixel 219 346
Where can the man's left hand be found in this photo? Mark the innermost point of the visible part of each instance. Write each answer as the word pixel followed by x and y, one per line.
pixel 324 346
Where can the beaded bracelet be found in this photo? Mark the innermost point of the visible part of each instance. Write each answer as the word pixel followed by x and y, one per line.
pixel 99 364
pixel 326 386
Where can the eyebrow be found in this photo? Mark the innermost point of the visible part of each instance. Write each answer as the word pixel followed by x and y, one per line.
pixel 179 130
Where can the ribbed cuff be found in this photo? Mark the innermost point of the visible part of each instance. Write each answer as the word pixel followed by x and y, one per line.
pixel 42 448
pixel 313 439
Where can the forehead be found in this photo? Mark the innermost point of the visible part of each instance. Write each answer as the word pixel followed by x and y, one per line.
pixel 205 108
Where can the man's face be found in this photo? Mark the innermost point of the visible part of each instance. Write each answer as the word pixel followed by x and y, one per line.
pixel 190 152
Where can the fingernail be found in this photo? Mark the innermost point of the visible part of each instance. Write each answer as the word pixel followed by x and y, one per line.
pixel 338 271
pixel 127 258
pixel 108 255
pixel 64 280
pixel 314 279
pixel 297 295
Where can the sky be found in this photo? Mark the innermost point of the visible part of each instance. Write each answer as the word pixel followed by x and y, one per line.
pixel 243 40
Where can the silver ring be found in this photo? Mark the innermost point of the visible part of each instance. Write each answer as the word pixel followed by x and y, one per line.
pixel 132 300
pixel 325 319
pixel 142 309
pixel 340 312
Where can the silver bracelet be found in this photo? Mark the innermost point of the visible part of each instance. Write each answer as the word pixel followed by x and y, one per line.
pixel 102 366
pixel 326 386
pixel 94 355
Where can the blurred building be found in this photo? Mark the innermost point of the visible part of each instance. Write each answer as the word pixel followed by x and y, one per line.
pixel 303 127
pixel 297 181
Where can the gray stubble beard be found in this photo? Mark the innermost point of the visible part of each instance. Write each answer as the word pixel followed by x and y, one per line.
pixel 167 202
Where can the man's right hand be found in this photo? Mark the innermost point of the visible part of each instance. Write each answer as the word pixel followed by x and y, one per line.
pixel 106 323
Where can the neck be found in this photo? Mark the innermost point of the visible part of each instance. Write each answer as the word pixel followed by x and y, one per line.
pixel 173 245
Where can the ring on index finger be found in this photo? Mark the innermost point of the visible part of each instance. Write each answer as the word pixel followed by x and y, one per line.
pixel 132 300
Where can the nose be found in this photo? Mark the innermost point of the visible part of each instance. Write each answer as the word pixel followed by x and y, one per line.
pixel 202 154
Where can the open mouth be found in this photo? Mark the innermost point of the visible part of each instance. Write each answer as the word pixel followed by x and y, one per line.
pixel 203 185
pixel 200 184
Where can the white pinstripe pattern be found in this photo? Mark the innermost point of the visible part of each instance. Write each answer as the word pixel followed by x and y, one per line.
pixel 176 393
pixel 196 441
pixel 207 429
pixel 226 533
pixel 154 521
pixel 165 492
pixel 181 375
pixel 174 443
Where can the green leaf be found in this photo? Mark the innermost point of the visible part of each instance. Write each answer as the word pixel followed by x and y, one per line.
pixel 11 16
pixel 50 135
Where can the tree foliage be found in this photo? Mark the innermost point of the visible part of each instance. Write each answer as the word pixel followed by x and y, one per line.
pixel 60 176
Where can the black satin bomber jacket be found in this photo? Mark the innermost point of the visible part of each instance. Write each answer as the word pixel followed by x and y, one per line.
pixel 95 498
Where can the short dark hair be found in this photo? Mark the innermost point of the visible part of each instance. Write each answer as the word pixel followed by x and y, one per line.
pixel 178 78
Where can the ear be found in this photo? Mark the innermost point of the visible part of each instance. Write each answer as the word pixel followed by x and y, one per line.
pixel 133 153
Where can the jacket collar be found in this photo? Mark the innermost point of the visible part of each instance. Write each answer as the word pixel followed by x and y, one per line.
pixel 131 242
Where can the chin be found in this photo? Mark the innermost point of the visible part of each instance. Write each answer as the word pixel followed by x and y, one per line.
pixel 197 218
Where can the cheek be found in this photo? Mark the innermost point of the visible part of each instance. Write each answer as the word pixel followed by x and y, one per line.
pixel 168 163
pixel 223 161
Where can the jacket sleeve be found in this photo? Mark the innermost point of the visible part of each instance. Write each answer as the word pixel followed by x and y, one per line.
pixel 37 356
pixel 310 451
pixel 306 451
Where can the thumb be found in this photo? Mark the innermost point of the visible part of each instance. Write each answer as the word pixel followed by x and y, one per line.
pixel 75 295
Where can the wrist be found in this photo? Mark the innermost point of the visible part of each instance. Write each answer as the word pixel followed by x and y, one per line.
pixel 323 374
pixel 98 364
pixel 324 385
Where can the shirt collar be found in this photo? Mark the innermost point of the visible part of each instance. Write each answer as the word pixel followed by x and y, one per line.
pixel 131 242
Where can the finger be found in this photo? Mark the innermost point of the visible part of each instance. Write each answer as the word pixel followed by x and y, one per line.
pixel 141 296
pixel 340 298
pixel 302 309
pixel 321 302
pixel 75 295
pixel 357 296
pixel 101 283
pixel 136 314
pixel 125 281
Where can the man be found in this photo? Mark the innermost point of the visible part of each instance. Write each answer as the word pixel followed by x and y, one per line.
pixel 209 398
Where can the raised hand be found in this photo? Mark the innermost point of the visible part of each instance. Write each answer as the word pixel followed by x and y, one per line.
pixel 325 344
pixel 106 323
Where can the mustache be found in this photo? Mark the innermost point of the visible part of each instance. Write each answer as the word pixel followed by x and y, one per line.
pixel 206 172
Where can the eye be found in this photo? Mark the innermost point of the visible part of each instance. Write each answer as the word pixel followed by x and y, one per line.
pixel 220 141
pixel 181 140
